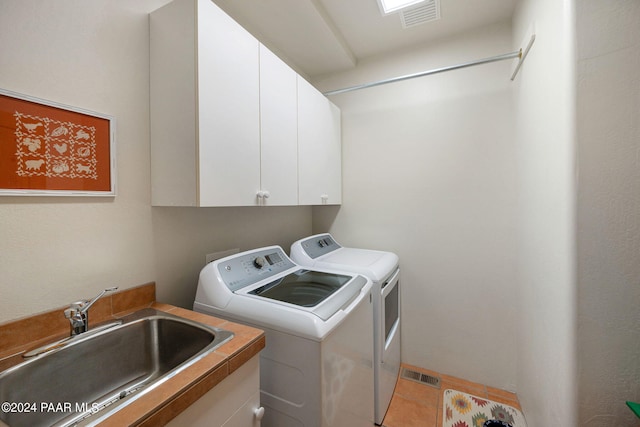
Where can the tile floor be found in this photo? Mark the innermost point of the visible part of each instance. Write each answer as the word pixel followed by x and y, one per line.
pixel 419 405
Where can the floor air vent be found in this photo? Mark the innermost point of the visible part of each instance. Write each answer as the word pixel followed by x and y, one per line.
pixel 412 375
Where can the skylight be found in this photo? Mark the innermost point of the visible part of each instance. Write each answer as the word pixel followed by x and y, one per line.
pixel 389 6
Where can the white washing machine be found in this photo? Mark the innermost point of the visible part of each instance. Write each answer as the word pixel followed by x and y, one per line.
pixel 322 251
pixel 317 367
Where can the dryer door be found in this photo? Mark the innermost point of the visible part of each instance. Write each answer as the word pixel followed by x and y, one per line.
pixel 388 345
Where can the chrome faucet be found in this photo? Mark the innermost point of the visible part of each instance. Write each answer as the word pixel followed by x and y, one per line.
pixel 78 313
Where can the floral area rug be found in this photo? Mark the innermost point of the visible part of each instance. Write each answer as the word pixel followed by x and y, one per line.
pixel 464 410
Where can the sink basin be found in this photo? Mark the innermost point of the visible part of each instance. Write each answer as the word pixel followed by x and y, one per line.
pixel 90 377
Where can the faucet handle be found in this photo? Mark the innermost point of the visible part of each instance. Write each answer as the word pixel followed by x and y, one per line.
pixel 85 305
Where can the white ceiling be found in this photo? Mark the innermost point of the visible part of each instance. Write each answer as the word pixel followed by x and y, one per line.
pixel 323 36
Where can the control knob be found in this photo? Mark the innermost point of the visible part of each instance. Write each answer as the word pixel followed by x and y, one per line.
pixel 259 262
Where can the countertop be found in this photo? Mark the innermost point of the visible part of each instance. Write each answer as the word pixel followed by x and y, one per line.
pixel 166 401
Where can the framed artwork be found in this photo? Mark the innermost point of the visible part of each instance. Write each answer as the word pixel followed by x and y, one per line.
pixel 49 149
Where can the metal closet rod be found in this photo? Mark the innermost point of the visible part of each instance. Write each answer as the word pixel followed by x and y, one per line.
pixel 516 54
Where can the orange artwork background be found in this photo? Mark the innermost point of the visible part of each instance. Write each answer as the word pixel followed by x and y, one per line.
pixel 45 147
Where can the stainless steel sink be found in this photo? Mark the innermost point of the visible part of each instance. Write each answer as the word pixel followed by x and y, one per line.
pixel 87 378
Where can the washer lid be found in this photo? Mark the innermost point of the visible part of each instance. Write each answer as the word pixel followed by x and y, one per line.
pixel 305 288
pixel 322 294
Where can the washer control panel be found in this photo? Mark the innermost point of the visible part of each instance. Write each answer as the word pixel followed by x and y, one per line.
pixel 247 268
pixel 319 245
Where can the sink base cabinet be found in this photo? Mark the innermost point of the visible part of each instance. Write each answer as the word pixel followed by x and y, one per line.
pixel 235 402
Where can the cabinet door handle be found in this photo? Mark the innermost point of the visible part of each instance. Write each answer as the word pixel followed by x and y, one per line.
pixel 262 195
pixel 259 413
pixel 324 198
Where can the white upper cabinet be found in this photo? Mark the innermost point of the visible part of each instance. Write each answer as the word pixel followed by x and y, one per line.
pixel 228 109
pixel 319 148
pixel 279 131
pixel 205 112
pixel 232 124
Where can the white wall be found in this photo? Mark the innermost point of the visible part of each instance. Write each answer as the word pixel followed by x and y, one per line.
pixel 608 233
pixel 429 173
pixel 434 169
pixel 92 55
pixel 545 138
pixel 183 236
pixel 95 55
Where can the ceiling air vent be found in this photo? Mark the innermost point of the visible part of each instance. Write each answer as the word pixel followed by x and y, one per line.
pixel 424 12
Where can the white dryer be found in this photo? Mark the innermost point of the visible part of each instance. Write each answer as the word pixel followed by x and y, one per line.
pixel 322 251
pixel 317 367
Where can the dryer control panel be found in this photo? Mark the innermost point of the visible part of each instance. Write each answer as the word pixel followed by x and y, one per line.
pixel 248 268
pixel 319 245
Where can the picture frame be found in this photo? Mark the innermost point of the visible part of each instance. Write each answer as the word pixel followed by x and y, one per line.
pixel 51 149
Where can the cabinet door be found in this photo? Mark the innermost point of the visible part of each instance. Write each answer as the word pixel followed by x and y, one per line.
pixel 172 62
pixel 228 110
pixel 278 124
pixel 319 148
pixel 233 402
